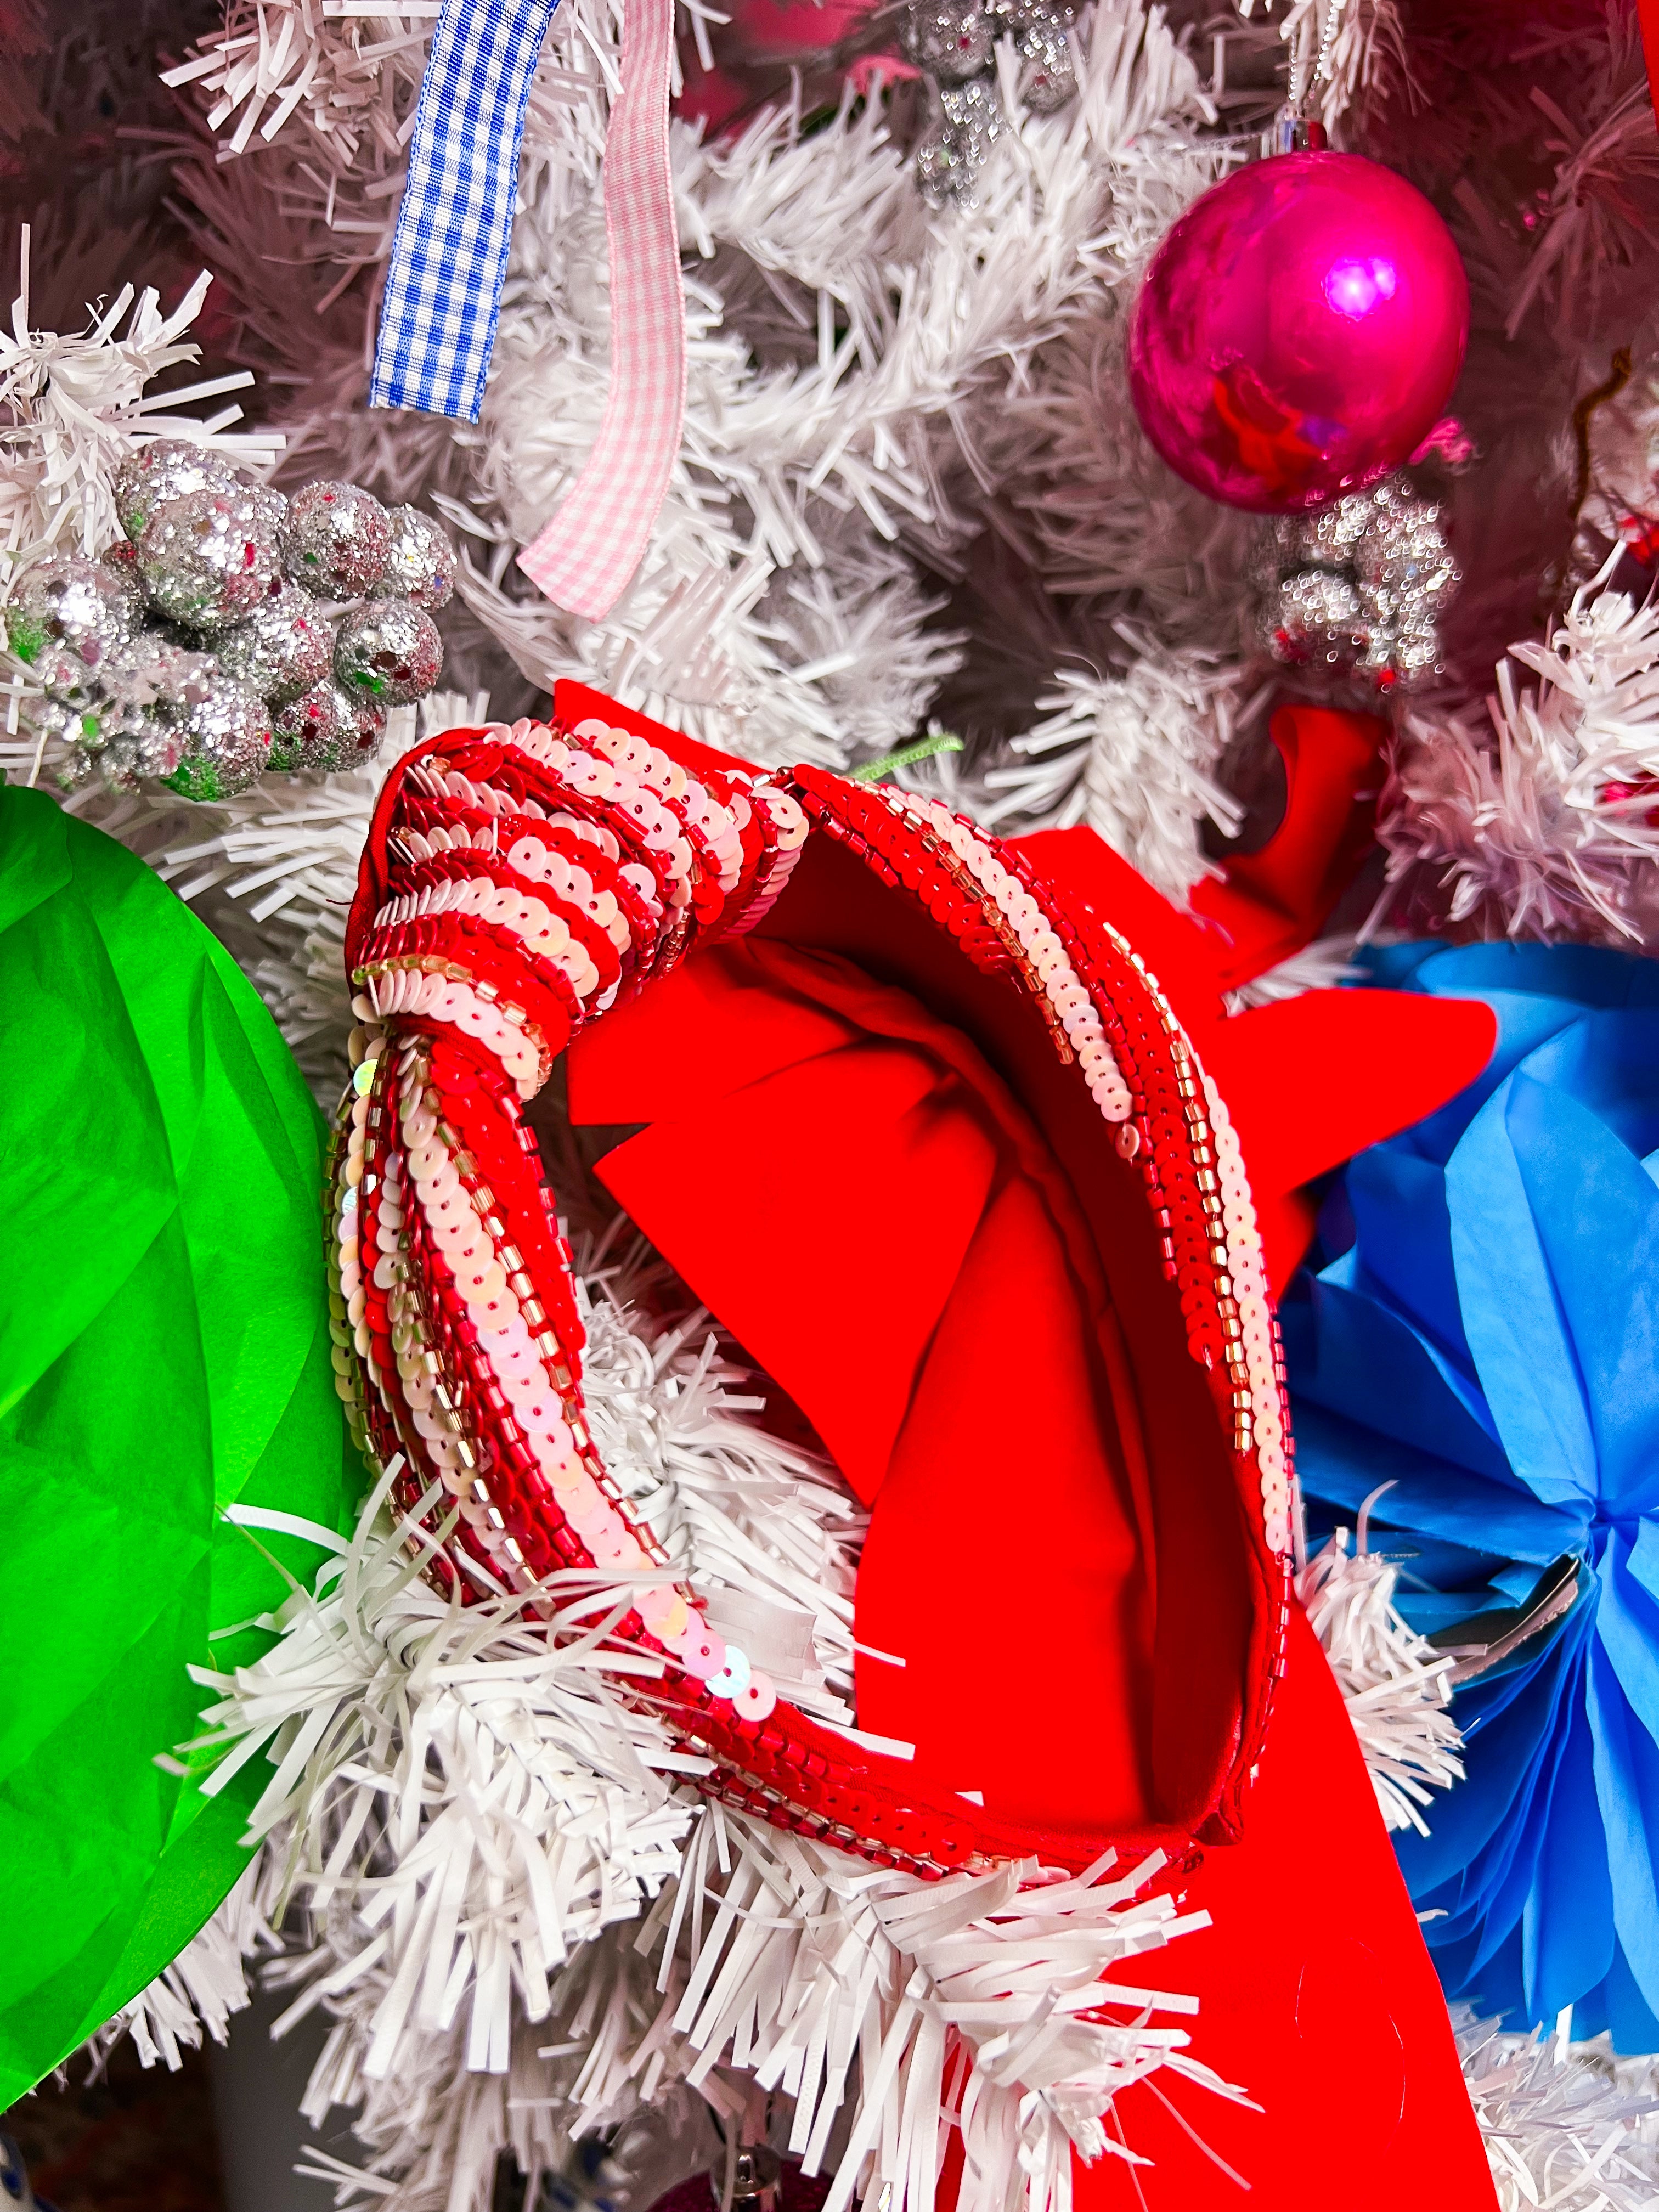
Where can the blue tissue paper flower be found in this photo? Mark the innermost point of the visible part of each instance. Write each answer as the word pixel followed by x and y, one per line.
pixel 1479 1327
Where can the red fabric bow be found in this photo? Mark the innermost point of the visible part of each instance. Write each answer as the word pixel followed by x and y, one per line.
pixel 835 1170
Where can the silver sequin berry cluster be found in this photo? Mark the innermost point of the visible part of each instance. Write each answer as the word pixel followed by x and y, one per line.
pixel 231 630
pixel 955 47
pixel 1357 589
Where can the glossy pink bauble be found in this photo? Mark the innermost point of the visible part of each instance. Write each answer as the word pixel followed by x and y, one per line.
pixel 1298 332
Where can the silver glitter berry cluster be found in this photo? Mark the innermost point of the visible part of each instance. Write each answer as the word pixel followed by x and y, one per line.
pixel 230 630
pixel 953 42
pixel 1357 589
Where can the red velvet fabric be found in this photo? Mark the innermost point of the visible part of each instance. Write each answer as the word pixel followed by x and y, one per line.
pixel 1268 904
pixel 858 1193
pixel 868 1162
pixel 927 1291
pixel 1316 1995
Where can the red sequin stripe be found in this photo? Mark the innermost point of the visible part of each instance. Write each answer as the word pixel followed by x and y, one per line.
pixel 482 1119
pixel 1176 1156
pixel 604 814
pixel 707 896
pixel 444 1317
pixel 703 886
pixel 644 926
pixel 507 1469
pixel 485 861
pixel 473 1093
pixel 466 949
pixel 759 849
pixel 410 877
pixel 386 1415
pixel 491 954
pixel 803 1777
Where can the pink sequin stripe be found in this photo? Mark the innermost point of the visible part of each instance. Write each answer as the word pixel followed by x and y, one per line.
pixel 586 555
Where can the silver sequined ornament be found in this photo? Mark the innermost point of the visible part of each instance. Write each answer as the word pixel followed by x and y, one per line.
pixel 208 559
pixel 325 729
pixel 1047 74
pixel 166 469
pixel 127 717
pixel 150 752
pixel 73 605
pixel 365 726
pixel 226 739
pixel 337 541
pixel 388 653
pixel 1358 587
pixel 286 645
pixel 421 565
pixel 966 124
pixel 952 44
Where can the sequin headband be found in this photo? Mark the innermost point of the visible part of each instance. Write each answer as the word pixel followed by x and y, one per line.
pixel 518 882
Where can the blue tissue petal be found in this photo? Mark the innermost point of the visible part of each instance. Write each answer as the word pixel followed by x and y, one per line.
pixel 1482 1331
pixel 1627 1789
pixel 1512 1318
pixel 1388 1187
pixel 1596 1217
pixel 1564 1953
pixel 1369 1362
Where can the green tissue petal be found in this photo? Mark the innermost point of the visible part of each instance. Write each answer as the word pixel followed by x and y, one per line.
pixel 164 1353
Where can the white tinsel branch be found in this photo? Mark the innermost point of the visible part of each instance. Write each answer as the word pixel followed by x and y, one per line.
pixel 1337 50
pixel 206 1984
pixel 1566 2126
pixel 1396 1685
pixel 1133 756
pixel 350 73
pixel 1558 835
pixel 72 409
pixel 1321 966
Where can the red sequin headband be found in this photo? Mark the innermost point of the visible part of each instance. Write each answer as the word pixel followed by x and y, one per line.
pixel 516 883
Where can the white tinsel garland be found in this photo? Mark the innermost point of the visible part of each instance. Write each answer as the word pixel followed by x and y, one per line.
pixel 1567 2126
pixel 1558 835
pixel 1397 1686
pixel 472 1816
pixel 71 409
pixel 1133 756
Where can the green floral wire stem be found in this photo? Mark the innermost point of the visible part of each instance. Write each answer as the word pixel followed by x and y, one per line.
pixel 936 741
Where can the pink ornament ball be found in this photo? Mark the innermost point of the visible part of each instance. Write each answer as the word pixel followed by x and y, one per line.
pixel 1298 332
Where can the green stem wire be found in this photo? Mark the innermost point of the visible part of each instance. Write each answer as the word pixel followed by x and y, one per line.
pixel 937 741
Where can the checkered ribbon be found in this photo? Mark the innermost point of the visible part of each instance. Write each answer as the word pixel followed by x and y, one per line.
pixel 587 553
pixel 443 289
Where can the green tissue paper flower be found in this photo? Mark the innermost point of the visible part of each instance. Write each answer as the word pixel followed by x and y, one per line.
pixel 164 1354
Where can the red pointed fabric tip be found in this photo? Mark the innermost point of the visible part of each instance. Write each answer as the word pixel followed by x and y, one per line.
pixel 1315 1990
pixel 1268 904
pixel 1647 15
pixel 1311 1080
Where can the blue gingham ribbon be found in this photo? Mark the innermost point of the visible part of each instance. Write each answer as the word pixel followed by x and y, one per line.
pixel 443 289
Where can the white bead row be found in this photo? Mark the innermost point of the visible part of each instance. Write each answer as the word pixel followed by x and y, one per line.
pixel 1064 988
pixel 536 926
pixel 405 986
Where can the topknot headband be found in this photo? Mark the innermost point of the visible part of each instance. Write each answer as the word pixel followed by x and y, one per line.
pixel 519 883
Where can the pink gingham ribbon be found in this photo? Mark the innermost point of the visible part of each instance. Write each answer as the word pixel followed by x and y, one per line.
pixel 585 557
